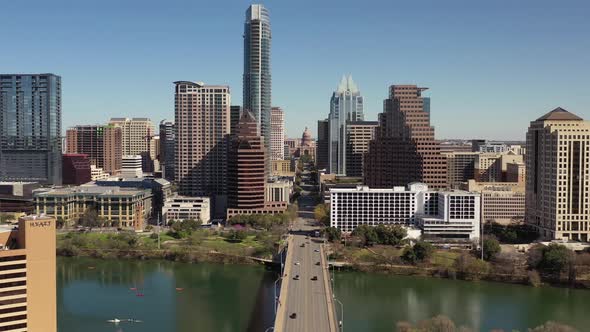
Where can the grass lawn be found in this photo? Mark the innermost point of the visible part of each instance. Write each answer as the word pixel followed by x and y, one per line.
pixel 445 258
pixel 220 244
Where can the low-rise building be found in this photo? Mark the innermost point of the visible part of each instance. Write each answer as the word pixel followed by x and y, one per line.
pixel 127 208
pixel 131 166
pixel 97 173
pixel 282 168
pixel 502 202
pixel 186 208
pixel 17 197
pixel 28 275
pixel 278 191
pixel 454 215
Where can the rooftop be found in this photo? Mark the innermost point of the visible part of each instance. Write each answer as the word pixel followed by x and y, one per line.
pixel 559 114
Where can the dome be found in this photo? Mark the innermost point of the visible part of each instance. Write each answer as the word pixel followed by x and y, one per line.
pixel 306 138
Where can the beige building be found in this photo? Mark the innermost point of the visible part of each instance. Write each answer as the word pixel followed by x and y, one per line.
pixel 277 134
pixel 202 118
pixel 121 207
pixel 502 202
pixel 557 176
pixel 516 172
pixel 28 276
pixel 282 168
pixel 358 136
pixel 136 134
pixel 279 191
pixel 460 167
pixel 97 173
pixel 492 167
pixel 185 208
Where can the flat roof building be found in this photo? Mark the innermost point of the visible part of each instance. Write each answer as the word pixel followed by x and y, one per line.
pixel 186 208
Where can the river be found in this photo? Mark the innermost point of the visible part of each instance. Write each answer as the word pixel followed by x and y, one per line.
pixel 168 296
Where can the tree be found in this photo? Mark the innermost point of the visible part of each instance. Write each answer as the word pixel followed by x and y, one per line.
pixel 420 252
pixel 333 234
pixel 89 218
pixel 491 248
pixel 471 268
pixel 390 235
pixel 59 222
pixel 556 258
pixel 5 218
pixel 236 235
pixel 322 214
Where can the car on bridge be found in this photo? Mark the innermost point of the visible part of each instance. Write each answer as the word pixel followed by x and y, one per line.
pixel 293 316
pixel 314 278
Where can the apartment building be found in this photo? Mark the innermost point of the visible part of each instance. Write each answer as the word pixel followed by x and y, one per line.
pixel 102 144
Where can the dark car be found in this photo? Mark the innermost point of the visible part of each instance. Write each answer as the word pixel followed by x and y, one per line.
pixel 318 263
pixel 296 277
pixel 314 278
pixel 302 245
pixel 293 315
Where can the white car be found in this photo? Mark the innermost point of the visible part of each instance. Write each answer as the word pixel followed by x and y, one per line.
pixel 316 250
pixel 297 263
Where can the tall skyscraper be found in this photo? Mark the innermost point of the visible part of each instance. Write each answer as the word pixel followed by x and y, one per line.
pixel 322 150
pixel 404 149
pixel 257 77
pixel 557 167
pixel 101 143
pixel 202 118
pixel 346 105
pixel 30 128
pixel 247 159
pixel 358 136
pixel 167 154
pixel 235 115
pixel 277 134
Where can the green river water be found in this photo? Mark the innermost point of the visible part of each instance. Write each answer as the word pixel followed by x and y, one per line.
pixel 168 296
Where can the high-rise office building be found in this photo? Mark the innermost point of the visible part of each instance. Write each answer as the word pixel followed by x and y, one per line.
pixel 28 282
pixel 460 167
pixel 557 167
pixel 358 136
pixel 167 154
pixel 404 149
pixel 257 74
pixel 346 105
pixel 136 134
pixel 235 115
pixel 247 159
pixel 101 143
pixel 30 128
pixel 202 118
pixel 277 134
pixel 322 145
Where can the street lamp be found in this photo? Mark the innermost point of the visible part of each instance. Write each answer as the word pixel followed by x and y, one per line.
pixel 341 323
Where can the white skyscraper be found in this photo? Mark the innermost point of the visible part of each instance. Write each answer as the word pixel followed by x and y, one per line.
pixel 277 134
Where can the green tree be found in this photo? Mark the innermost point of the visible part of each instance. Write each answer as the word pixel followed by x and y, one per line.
pixel 333 234
pixel 322 214
pixel 89 218
pixel 59 222
pixel 491 247
pixel 420 252
pixel 556 259
pixel 236 235
pixel 390 235
pixel 5 218
pixel 366 234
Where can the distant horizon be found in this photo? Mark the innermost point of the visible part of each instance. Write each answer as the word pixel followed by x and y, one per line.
pixel 495 66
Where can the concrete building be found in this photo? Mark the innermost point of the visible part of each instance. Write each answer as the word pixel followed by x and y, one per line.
pixel 127 208
pixel 322 151
pixel 516 172
pixel 76 169
pixel 277 134
pixel 346 105
pixel 460 167
pixel 28 297
pixel 358 136
pixel 278 191
pixel 136 134
pixel 450 215
pixel 202 118
pixel 186 208
pixel 102 144
pixel 131 167
pixel 17 197
pixel 257 74
pixel 492 167
pixel 404 149
pixel 167 147
pixel 282 168
pixel 557 167
pixel 97 173
pixel 30 128
pixel 501 202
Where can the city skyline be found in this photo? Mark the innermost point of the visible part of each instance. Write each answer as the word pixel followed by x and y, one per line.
pixel 499 68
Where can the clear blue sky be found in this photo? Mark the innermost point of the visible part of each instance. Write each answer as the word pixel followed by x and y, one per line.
pixel 491 66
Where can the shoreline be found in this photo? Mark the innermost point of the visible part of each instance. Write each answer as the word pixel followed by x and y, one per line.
pixel 195 256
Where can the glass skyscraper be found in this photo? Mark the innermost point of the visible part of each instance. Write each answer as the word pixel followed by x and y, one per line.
pixel 30 128
pixel 257 78
pixel 346 105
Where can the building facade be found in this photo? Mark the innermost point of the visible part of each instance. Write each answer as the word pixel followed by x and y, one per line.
pixel 501 202
pixel 136 134
pixel 28 280
pixel 167 149
pixel 235 114
pixel 557 168
pixel 323 142
pixel 277 134
pixel 278 191
pixel 346 105
pixel 30 128
pixel 131 167
pixel 282 168
pixel 186 208
pixel 76 169
pixel 358 136
pixel 127 208
pixel 454 215
pixel 460 167
pixel 102 144
pixel 404 149
pixel 202 118
pixel 257 74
